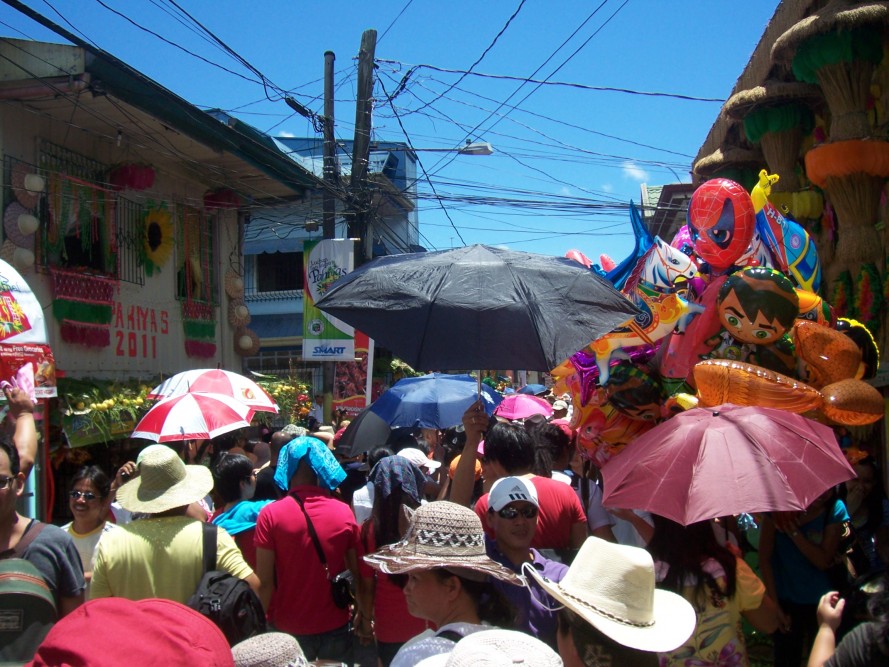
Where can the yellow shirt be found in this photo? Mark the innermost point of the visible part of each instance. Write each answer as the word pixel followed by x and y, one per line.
pixel 159 558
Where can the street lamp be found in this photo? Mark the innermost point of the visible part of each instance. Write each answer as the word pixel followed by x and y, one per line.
pixel 474 148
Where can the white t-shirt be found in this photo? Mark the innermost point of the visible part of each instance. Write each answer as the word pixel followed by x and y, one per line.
pixel 86 543
pixel 363 503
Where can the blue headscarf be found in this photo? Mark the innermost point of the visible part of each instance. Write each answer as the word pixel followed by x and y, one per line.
pixel 395 472
pixel 330 473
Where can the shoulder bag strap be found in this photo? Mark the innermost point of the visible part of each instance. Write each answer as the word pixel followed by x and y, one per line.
pixel 31 533
pixel 209 542
pixel 312 533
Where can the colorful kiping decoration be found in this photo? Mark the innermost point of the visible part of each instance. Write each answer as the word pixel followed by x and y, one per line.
pixel 157 239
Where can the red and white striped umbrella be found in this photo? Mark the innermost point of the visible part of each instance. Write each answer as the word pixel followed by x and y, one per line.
pixel 193 416
pixel 216 381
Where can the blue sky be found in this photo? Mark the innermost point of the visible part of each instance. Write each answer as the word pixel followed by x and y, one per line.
pixel 568 159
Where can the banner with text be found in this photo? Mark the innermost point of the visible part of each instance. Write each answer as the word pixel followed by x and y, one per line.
pixel 325 338
pixel 352 381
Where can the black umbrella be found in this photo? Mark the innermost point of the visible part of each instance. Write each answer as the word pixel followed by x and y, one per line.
pixel 478 307
pixel 366 431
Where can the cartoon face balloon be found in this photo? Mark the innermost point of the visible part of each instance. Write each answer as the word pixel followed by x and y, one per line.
pixel 757 305
pixel 721 220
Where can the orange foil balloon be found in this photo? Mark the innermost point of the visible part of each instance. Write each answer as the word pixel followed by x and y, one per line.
pixel 852 403
pixel 723 381
pixel 830 354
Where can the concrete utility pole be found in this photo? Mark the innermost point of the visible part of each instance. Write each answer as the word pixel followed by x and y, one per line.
pixel 331 178
pixel 331 173
pixel 359 222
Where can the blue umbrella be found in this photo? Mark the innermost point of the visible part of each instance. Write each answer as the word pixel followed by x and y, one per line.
pixel 436 400
pixel 533 389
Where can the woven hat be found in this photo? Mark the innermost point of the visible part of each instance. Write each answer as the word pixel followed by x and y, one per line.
pixel 27 184
pixel 246 342
pixel 510 490
pixel 271 649
pixel 238 313
pixel 164 482
pixel 234 284
pixel 441 534
pixel 19 225
pixel 496 648
pixel 611 586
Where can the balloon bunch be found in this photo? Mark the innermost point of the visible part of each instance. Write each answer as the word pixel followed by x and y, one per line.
pixel 729 312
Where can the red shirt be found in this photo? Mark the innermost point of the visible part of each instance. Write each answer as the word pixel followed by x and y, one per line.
pixel 559 511
pixel 302 602
pixel 393 623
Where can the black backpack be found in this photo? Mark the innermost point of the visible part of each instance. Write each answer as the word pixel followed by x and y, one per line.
pixel 226 600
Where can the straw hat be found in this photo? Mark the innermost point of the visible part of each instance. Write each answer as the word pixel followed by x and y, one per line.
pixel 247 343
pixel 164 482
pixel 234 284
pixel 772 93
pixel 611 586
pixel 238 313
pixel 19 225
pixel 27 184
pixel 496 648
pixel 730 156
pixel 271 649
pixel 441 534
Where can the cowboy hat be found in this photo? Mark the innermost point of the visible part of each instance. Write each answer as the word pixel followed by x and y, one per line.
pixel 611 586
pixel 164 482
pixel 445 535
pixel 496 647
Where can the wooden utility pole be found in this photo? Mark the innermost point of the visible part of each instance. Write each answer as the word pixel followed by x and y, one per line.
pixel 359 223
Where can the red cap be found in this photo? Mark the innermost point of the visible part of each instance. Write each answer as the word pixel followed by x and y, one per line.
pixel 154 632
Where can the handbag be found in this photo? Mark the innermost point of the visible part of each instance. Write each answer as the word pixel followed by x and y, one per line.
pixel 341 584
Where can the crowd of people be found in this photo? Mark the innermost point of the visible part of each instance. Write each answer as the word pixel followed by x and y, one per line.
pixel 485 543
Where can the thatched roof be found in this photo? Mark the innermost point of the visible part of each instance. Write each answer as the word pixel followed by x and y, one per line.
pixel 772 93
pixel 835 15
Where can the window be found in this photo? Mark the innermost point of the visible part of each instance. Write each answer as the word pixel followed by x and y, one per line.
pixel 279 271
pixel 196 272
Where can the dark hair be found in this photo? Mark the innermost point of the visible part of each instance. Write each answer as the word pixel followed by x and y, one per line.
pixel 596 648
pixel 751 286
pixel 96 476
pixel 550 443
pixel 874 500
pixel 685 549
pixel 377 454
pixel 402 438
pixel 878 606
pixel 388 514
pixel 511 447
pixel 228 473
pixel 452 441
pixel 491 605
pixel 15 466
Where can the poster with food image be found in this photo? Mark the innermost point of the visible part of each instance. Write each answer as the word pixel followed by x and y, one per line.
pixel 21 316
pixel 352 381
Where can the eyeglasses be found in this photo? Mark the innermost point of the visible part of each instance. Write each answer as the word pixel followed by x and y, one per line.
pixel 512 512
pixel 86 495
pixel 6 482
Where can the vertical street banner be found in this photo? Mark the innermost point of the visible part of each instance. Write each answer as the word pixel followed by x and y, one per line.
pixel 352 380
pixel 325 338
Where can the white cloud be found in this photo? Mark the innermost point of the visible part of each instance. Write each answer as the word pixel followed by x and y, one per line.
pixel 633 171
pixel 286 135
pixel 565 191
pixel 607 187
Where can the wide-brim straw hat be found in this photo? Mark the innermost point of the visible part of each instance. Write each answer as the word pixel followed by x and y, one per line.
pixel 27 185
pixel 730 156
pixel 233 284
pixel 496 647
pixel 164 482
pixel 445 535
pixel 612 587
pixel 238 313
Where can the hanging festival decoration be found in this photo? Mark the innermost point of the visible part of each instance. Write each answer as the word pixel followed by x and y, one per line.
pixel 238 313
pixel 868 290
pixel 27 185
pixel 132 176
pixel 233 284
pixel 157 241
pixel 82 305
pixel 221 198
pixel 19 226
pixel 247 343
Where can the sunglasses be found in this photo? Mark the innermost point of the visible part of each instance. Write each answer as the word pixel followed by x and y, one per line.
pixel 512 513
pixel 86 495
pixel 6 482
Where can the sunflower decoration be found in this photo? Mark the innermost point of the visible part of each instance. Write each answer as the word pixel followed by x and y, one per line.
pixel 158 238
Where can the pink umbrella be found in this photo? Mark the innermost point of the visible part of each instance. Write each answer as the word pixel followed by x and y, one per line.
pixel 522 406
pixel 726 460
pixel 216 381
pixel 193 416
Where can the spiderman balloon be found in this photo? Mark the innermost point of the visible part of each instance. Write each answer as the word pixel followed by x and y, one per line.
pixel 721 221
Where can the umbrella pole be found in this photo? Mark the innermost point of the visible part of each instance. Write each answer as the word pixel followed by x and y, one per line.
pixel 479 378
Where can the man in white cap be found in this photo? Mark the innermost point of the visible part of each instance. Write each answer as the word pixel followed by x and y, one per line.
pixel 162 556
pixel 512 515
